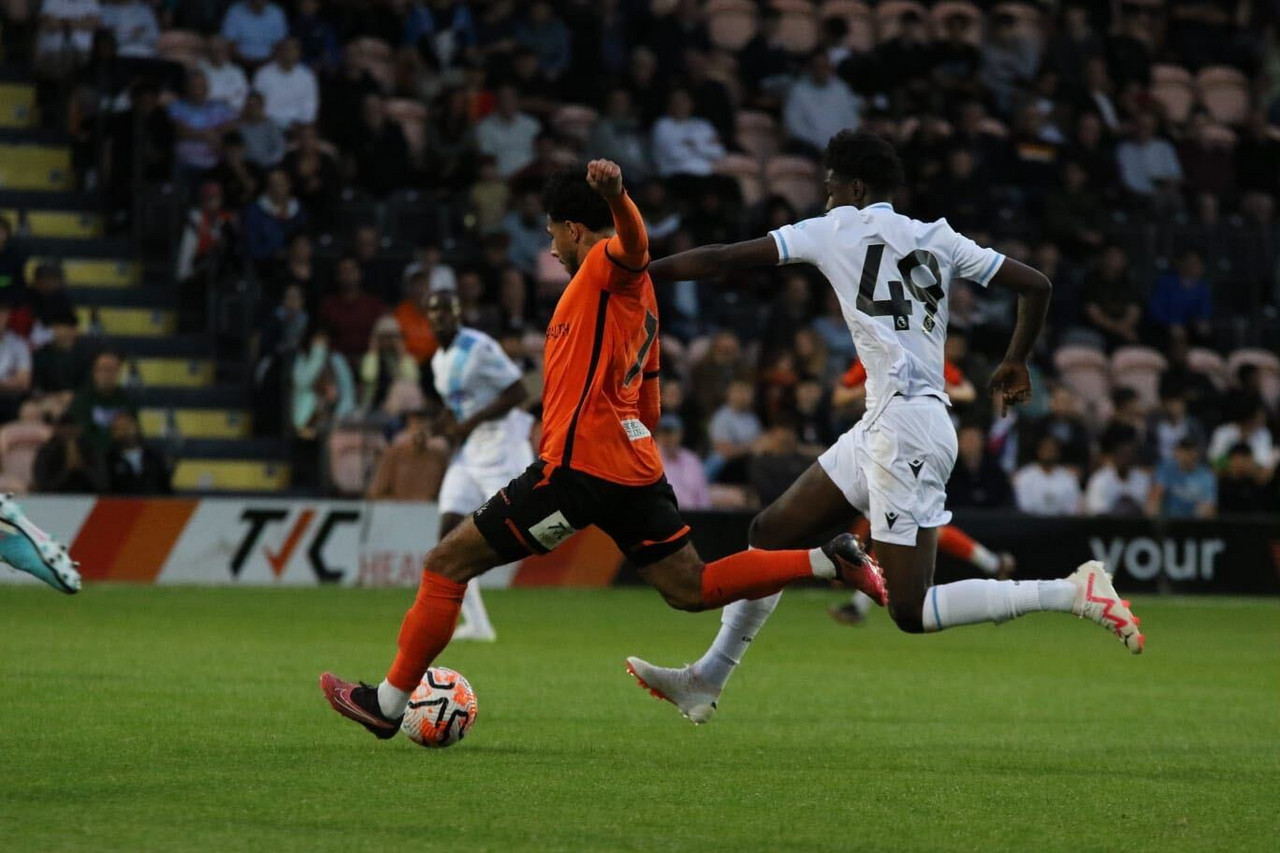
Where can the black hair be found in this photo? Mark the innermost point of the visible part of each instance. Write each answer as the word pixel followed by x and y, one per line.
pixel 866 157
pixel 567 197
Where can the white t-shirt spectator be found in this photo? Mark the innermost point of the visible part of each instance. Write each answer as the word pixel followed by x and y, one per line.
pixel 510 142
pixel 814 113
pixel 135 27
pixel 1109 493
pixel 67 12
pixel 1052 492
pixel 687 146
pixel 227 83
pixel 255 35
pixel 291 96
pixel 1259 441
pixel 15 356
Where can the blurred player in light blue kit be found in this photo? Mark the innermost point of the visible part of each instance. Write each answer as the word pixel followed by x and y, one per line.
pixel 482 391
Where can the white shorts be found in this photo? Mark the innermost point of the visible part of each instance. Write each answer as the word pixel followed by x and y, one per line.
pixel 894 470
pixel 466 487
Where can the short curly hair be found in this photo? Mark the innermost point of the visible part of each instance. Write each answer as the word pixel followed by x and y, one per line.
pixel 866 157
pixel 567 197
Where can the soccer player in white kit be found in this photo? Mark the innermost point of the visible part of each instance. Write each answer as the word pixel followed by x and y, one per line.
pixel 482 390
pixel 892 275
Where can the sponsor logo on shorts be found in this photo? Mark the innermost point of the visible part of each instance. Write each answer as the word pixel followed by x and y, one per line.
pixel 552 530
pixel 915 465
pixel 635 429
pixel 890 518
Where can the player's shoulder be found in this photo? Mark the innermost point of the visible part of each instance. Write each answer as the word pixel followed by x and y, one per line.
pixel 472 339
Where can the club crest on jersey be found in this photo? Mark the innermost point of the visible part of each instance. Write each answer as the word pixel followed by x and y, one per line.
pixel 552 530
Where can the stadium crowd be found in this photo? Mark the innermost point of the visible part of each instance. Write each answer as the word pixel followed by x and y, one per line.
pixel 353 157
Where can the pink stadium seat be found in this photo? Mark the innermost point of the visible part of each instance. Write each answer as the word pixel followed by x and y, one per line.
pixel 798 26
pixel 1176 99
pixel 746 171
pixel 757 133
pixel 889 16
pixel 353 457
pixel 1085 371
pixel 1221 75
pixel 1268 365
pixel 993 126
pixel 1208 363
pixel 795 179
pixel 574 122
pixel 1139 368
pixel 1227 102
pixel 19 444
pixel 1028 17
pixel 940 12
pixel 1220 136
pixel 862 27
pixel 1163 73
pixel 730 23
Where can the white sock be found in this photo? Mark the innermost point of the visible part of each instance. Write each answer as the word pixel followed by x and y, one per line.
pixel 861 602
pixel 739 624
pixel 474 615
pixel 985 559
pixel 821 564
pixel 973 601
pixel 392 700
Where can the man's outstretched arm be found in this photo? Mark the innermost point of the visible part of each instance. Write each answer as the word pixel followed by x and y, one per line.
pixel 716 260
pixel 630 245
pixel 1011 382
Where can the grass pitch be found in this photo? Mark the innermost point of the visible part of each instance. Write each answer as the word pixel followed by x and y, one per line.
pixel 189 719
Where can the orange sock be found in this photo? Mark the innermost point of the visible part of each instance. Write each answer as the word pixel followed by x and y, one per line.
pixel 426 629
pixel 954 542
pixel 752 574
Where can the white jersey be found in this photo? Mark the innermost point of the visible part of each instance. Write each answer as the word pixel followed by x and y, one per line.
pixel 892 275
pixel 469 374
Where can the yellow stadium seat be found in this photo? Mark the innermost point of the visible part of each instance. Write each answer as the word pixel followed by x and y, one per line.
pixel 142 322
pixel 35 167
pixel 230 475
pixel 198 423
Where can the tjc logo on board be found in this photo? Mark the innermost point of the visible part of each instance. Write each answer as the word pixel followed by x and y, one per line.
pixel 260 519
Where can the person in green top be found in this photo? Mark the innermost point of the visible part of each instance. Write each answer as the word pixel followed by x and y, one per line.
pixel 96 404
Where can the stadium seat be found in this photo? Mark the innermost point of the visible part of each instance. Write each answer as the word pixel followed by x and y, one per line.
pixel 185 46
pixel 1028 18
pixel 746 171
pixel 730 23
pixel 1176 99
pixel 1163 73
pixel 862 27
pixel 574 122
pixel 353 457
pixel 1220 136
pixel 1268 365
pixel 411 115
pixel 939 14
pixel 993 127
pixel 19 444
pixel 796 180
pixel 1227 102
pixel 403 396
pixel 757 133
pixel 1085 371
pixel 1139 368
pixel 889 17
pixel 797 26
pixel 1209 364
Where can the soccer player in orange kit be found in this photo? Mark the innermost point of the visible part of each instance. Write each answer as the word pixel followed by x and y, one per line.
pixel 598 463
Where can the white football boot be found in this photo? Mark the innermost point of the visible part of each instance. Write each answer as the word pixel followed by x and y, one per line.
pixel 695 699
pixel 466 632
pixel 1098 600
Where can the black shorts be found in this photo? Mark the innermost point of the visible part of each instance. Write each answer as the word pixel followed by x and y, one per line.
pixel 534 514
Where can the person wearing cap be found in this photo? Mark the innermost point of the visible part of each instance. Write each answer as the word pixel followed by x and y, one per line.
pixel 386 366
pixel 482 390
pixel 1184 487
pixel 684 469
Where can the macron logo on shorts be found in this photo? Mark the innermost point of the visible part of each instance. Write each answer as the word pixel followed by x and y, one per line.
pixel 915 465
pixel 552 530
pixel 890 518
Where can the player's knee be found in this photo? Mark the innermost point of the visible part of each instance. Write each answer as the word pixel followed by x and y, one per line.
pixel 683 591
pixel 764 532
pixel 908 615
pixel 444 561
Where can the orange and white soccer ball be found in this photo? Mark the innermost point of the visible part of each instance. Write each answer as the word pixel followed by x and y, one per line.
pixel 441 710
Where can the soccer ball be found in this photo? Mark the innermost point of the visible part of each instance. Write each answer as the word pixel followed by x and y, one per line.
pixel 441 710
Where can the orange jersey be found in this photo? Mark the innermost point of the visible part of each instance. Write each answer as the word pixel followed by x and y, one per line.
pixel 856 375
pixel 602 343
